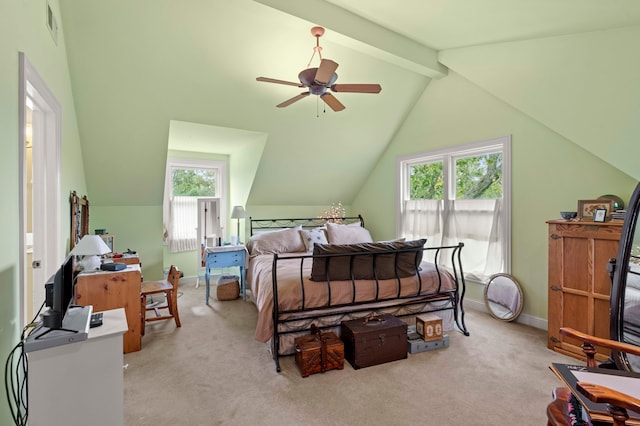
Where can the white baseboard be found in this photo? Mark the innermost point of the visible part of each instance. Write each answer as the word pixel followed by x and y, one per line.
pixel 526 319
pixel 191 280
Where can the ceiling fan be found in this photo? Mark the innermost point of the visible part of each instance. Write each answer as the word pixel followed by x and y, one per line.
pixel 318 80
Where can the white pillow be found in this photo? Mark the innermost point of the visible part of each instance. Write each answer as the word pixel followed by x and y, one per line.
pixel 313 236
pixel 283 241
pixel 347 234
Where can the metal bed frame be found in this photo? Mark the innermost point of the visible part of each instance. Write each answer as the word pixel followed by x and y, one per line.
pixel 455 296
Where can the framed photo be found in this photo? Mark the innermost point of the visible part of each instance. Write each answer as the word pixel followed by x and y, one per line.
pixel 587 208
pixel 600 215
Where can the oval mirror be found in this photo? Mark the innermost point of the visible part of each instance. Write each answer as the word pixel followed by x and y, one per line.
pixel 625 287
pixel 503 297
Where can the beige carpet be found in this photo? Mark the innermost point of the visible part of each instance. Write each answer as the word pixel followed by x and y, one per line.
pixel 212 372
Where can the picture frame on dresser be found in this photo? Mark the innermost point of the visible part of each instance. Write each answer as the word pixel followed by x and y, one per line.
pixel 587 208
pixel 600 215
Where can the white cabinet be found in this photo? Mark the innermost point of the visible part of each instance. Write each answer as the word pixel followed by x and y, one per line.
pixel 80 383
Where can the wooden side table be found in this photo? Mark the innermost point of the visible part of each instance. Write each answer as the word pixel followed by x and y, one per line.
pixel 106 290
pixel 226 257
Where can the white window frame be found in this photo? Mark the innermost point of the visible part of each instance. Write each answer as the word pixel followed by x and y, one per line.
pixel 188 163
pixel 447 156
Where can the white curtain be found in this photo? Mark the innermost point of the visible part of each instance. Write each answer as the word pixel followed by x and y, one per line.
pixel 476 223
pixel 181 214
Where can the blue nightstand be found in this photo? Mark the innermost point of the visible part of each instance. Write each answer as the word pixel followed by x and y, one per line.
pixel 226 257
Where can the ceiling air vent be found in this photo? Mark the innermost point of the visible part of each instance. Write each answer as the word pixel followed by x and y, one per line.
pixel 52 24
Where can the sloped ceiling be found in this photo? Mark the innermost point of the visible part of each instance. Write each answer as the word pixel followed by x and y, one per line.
pixel 594 78
pixel 138 65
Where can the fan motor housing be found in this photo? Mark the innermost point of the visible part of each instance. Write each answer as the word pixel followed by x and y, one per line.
pixel 307 76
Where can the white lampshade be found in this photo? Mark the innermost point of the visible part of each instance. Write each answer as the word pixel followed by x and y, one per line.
pixel 238 212
pixel 90 246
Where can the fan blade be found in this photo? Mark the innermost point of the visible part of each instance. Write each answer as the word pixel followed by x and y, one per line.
pixel 292 100
pixel 273 80
pixel 325 71
pixel 332 101
pixel 357 88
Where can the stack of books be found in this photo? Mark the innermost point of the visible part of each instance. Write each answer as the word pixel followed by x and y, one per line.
pixel 618 214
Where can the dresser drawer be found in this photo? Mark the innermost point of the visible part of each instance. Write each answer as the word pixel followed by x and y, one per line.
pixel 225 259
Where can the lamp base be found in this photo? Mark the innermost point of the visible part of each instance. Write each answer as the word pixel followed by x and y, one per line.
pixel 90 263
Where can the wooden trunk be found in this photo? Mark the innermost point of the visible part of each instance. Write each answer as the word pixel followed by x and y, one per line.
pixel 319 352
pixel 374 340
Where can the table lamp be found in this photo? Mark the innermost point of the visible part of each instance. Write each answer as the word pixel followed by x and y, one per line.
pixel 238 213
pixel 91 247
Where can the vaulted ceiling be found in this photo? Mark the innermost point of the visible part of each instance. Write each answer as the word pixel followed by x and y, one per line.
pixel 137 66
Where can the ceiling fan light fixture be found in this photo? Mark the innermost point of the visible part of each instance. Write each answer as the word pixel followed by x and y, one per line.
pixel 319 79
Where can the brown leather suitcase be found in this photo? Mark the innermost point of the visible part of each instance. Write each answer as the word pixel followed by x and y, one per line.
pixel 374 340
pixel 318 352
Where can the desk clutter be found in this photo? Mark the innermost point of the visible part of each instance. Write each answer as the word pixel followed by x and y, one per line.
pixel 365 342
pixel 113 266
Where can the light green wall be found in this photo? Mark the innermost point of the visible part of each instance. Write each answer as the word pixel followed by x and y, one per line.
pixel 549 173
pixel 138 228
pixel 23 30
pixel 589 99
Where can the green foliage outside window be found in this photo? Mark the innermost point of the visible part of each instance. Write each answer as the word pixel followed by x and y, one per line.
pixel 426 181
pixel 194 182
pixel 477 177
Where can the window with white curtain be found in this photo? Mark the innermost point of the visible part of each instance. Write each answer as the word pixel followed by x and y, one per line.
pixel 185 182
pixel 461 194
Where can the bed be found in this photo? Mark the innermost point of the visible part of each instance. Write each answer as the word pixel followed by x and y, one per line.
pixel 324 271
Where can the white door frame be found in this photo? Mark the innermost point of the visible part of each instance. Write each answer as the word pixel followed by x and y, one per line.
pixel 46 205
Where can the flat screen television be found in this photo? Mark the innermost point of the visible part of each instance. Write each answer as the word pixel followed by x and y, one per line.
pixel 59 294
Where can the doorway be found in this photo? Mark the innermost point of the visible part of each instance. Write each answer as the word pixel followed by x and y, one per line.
pixel 40 145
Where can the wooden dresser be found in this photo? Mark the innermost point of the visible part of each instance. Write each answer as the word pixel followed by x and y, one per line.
pixel 579 284
pixel 106 290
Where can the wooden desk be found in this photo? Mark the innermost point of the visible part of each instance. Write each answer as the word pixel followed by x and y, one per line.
pixel 106 290
pixel 80 383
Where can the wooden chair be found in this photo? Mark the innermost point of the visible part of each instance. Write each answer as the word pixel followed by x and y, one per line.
pixel 169 288
pixel 618 403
